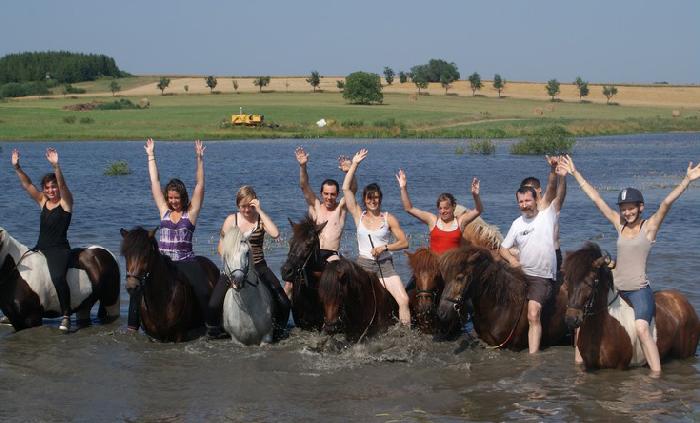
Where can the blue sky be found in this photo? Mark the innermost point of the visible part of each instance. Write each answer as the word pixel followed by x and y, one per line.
pixel 602 41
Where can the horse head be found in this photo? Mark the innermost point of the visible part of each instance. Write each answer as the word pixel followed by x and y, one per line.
pixel 140 250
pixel 304 248
pixel 458 267
pixel 236 257
pixel 429 283
pixel 334 291
pixel 587 275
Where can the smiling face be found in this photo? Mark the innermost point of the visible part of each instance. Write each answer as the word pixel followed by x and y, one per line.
pixel 373 201
pixel 527 204
pixel 446 211
pixel 52 192
pixel 329 195
pixel 631 212
pixel 174 200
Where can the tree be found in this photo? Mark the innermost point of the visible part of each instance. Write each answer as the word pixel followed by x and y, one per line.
pixel 363 88
pixel 552 88
pixel 446 83
pixel 340 84
pixel 314 80
pixel 389 75
pixel 403 77
pixel 235 85
pixel 421 81
pixel 475 82
pixel 261 82
pixel 437 70
pixel 186 88
pixel 582 87
pixel 499 83
pixel 211 83
pixel 163 84
pixel 114 87
pixel 609 91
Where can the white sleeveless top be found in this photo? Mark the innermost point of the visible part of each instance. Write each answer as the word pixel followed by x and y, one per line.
pixel 380 236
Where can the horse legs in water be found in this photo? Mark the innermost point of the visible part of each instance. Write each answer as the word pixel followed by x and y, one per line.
pixel 214 309
pixel 281 302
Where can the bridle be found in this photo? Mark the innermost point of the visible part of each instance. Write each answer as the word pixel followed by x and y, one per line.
pixel 227 273
pixel 587 308
pixel 301 271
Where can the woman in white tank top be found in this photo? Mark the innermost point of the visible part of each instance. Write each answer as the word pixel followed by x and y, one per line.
pixel 635 237
pixel 374 234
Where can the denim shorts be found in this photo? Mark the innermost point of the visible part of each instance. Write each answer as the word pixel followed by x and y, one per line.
pixel 642 302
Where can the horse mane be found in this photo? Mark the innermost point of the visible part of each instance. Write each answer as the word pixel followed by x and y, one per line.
pixel 424 259
pixel 306 226
pixel 577 264
pixel 340 276
pixel 231 241
pixel 483 234
pixel 136 242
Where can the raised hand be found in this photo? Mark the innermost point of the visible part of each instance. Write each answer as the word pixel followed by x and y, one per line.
pixel 15 158
pixel 344 163
pixel 552 160
pixel 52 156
pixel 566 164
pixel 360 156
pixel 255 204
pixel 302 156
pixel 150 147
pixel 401 178
pixel 475 186
pixel 198 149
pixel 693 173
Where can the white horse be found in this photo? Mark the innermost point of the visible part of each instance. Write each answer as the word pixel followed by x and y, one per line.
pixel 247 304
pixel 27 293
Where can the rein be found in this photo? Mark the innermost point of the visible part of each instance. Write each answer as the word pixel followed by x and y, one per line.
pixel 301 270
pixel 374 313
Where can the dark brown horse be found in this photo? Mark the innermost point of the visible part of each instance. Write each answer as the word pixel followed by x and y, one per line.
pixel 602 340
pixel 303 268
pixel 27 293
pixel 498 294
pixel 354 301
pixel 174 295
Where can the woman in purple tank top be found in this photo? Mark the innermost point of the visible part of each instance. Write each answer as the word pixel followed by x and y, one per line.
pixel 635 238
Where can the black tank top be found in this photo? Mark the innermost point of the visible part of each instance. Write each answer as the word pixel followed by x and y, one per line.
pixel 53 228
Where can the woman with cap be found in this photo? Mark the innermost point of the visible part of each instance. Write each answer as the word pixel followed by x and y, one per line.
pixel 635 239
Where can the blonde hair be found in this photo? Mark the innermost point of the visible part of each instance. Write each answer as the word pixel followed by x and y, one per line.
pixel 246 192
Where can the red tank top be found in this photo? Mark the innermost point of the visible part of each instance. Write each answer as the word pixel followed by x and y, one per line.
pixel 441 241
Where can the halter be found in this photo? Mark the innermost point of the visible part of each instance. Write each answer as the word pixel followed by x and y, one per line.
pixel 227 273
pixel 588 307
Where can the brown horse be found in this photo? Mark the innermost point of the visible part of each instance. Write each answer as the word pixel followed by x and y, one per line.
pixel 354 301
pixel 174 295
pixel 27 293
pixel 303 268
pixel 602 340
pixel 498 294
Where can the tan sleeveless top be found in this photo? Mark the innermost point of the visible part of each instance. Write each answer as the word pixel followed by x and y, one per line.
pixel 630 274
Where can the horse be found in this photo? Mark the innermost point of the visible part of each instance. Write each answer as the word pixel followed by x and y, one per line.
pixel 498 294
pixel 602 340
pixel 303 268
pixel 247 312
pixel 174 294
pixel 27 294
pixel 354 301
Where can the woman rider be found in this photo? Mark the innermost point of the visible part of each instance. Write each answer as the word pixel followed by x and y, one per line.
pixel 635 239
pixel 445 229
pixel 253 223
pixel 178 217
pixel 56 203
pixel 374 231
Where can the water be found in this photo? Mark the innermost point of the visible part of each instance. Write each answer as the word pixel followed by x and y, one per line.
pixel 104 373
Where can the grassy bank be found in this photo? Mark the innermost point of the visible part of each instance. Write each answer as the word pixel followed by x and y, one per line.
pixel 186 117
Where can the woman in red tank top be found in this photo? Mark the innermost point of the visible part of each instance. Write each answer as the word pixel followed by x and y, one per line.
pixel 445 228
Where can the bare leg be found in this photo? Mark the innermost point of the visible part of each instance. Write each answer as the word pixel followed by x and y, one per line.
pixel 395 287
pixel 288 287
pixel 534 332
pixel 577 353
pixel 651 350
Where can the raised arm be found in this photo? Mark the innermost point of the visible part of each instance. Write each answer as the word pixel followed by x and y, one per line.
pixel 156 189
pixel 424 216
pixel 24 180
pixel 66 195
pixel 303 158
pixel 566 163
pixel 470 215
pixel 552 180
pixel 198 193
pixel 269 226
pixel 691 174
pixel 558 200
pixel 344 163
pixel 348 195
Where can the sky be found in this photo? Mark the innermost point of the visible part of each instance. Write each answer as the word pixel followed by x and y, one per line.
pixel 621 41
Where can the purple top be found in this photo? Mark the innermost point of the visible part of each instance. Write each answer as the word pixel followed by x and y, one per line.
pixel 176 238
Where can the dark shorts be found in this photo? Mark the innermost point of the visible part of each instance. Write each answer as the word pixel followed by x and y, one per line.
pixel 386 265
pixel 642 301
pixel 539 289
pixel 326 254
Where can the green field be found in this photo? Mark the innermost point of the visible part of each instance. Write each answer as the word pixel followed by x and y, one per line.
pixel 186 117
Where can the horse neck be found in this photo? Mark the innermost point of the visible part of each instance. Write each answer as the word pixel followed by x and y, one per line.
pixel 13 248
pixel 600 303
pixel 161 283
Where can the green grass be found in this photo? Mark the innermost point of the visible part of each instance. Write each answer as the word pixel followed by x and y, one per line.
pixel 186 117
pixel 118 168
pixel 101 85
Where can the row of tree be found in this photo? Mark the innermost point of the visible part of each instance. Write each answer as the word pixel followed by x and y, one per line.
pixel 552 88
pixel 60 66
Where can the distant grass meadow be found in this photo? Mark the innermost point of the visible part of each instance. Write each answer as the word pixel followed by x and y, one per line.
pixel 294 115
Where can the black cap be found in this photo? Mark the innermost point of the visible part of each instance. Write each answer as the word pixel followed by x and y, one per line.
pixel 629 195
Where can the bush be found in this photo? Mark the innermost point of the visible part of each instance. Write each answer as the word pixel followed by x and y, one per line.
pixel 69 89
pixel 21 89
pixel 553 140
pixel 386 123
pixel 87 120
pixel 352 123
pixel 69 119
pixel 120 104
pixel 118 168
pixel 485 147
pixel 459 150
pixel 363 88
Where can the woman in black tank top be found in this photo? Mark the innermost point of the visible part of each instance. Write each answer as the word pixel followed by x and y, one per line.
pixel 56 202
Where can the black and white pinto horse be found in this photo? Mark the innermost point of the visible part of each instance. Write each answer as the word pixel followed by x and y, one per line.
pixel 247 305
pixel 27 294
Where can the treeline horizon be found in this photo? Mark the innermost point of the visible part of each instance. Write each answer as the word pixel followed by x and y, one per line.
pixel 62 67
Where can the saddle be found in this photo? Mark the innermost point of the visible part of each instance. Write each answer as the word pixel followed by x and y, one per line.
pixel 621 311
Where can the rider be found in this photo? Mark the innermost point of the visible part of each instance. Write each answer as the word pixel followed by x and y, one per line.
pixel 56 203
pixel 374 230
pixel 445 228
pixel 253 223
pixel 533 235
pixel 178 217
pixel 634 241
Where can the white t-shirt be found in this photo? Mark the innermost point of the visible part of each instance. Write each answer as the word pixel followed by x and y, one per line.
pixel 534 237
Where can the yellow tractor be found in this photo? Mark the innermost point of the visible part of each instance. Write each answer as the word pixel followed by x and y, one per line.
pixel 242 119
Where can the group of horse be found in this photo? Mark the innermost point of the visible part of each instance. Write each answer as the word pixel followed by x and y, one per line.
pixel 340 297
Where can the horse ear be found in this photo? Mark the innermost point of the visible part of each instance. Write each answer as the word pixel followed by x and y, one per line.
pixel 123 232
pixel 152 232
pixel 320 227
